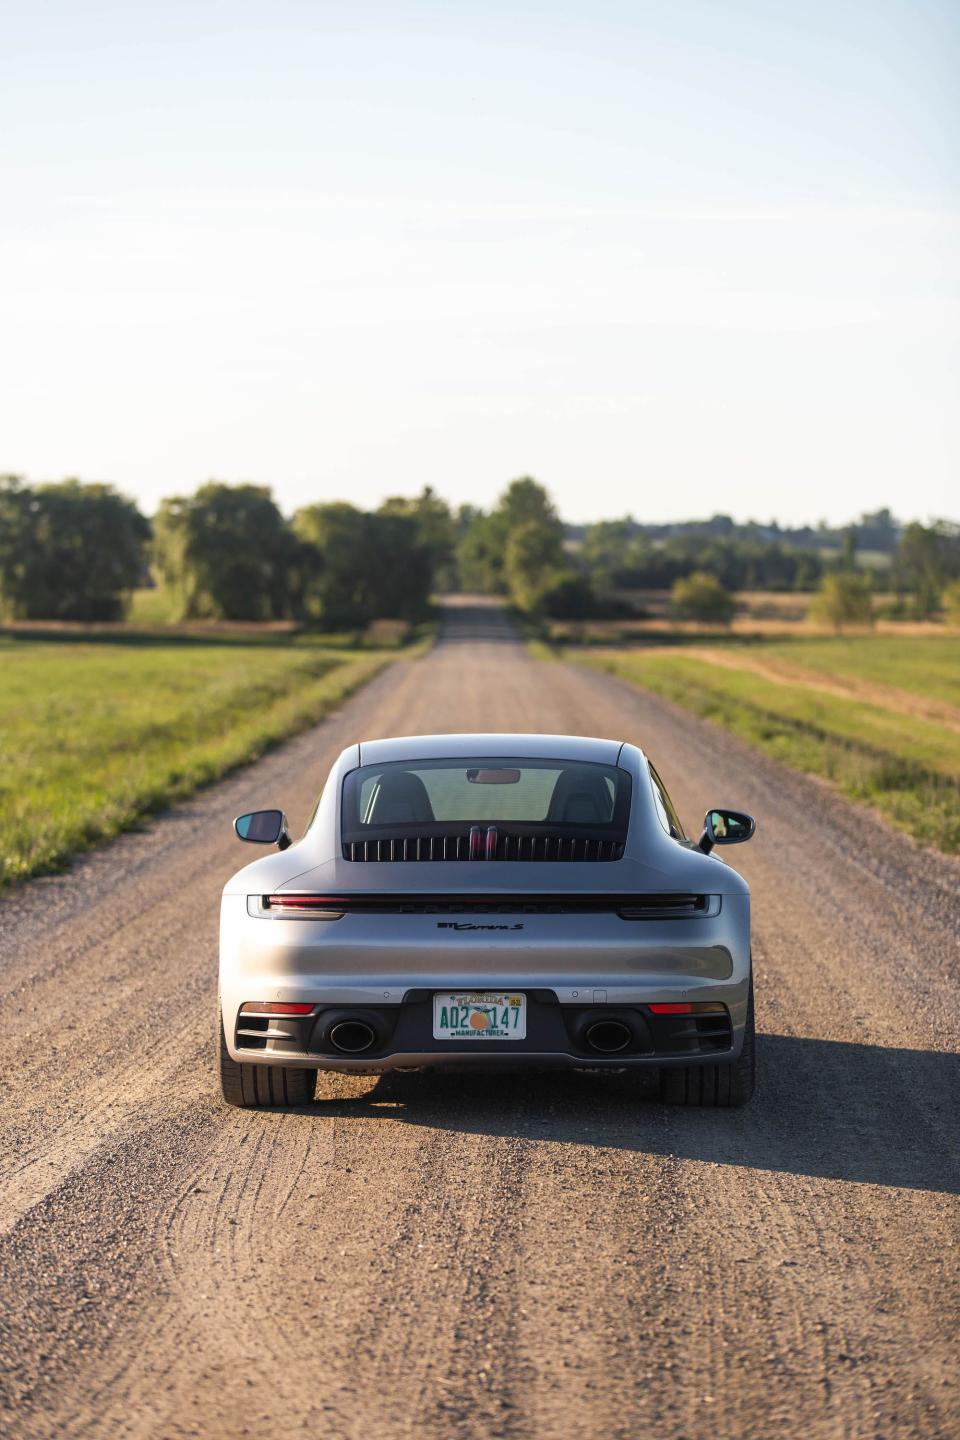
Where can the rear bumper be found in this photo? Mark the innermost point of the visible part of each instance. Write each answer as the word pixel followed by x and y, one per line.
pixel 557 1036
pixel 391 965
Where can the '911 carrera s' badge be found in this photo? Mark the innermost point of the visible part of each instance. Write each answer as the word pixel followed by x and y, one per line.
pixel 465 925
pixel 479 1017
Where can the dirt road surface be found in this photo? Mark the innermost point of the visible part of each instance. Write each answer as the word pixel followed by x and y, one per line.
pixel 444 1257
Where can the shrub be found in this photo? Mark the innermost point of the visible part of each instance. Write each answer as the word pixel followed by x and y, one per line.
pixel 570 597
pixel 844 598
pixel 701 597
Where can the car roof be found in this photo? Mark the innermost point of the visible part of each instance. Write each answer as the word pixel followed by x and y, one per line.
pixel 519 747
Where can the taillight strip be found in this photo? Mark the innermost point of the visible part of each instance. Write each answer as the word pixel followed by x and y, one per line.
pixel 628 907
pixel 276 1007
pixel 319 907
pixel 695 1007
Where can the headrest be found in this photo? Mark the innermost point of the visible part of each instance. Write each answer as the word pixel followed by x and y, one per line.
pixel 580 797
pixel 401 799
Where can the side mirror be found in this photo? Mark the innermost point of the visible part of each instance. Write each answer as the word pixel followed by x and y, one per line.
pixel 725 827
pixel 264 827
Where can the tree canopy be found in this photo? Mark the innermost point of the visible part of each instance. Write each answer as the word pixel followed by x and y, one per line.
pixel 365 566
pixel 226 553
pixel 927 560
pixel 68 551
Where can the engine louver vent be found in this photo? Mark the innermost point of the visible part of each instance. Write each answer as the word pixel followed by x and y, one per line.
pixel 505 846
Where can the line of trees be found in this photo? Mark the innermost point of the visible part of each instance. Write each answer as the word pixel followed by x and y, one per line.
pixel 72 551
pixel 75 552
pixel 876 530
pixel 619 557
pixel 228 553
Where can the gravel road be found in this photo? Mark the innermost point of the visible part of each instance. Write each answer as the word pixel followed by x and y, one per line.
pixel 447 1257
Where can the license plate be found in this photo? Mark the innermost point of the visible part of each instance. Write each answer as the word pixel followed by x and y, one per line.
pixel 479 1015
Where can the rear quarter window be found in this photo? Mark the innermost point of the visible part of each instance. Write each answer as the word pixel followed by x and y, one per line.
pixel 666 813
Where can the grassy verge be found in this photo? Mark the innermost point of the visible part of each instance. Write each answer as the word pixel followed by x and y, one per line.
pixel 905 765
pixel 97 734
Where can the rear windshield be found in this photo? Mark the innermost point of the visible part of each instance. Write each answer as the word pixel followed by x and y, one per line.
pixel 485 792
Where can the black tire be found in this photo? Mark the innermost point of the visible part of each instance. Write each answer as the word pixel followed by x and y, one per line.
pixel 253 1086
pixel 722 1086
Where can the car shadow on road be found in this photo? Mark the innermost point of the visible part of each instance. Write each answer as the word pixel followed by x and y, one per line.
pixel 860 1113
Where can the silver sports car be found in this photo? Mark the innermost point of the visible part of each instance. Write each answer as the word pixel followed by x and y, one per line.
pixel 488 901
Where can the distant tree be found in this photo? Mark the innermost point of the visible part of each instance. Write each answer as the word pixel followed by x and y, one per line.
pixel 436 530
pixel 844 598
pixel 533 563
pixel 402 557
pixel 68 551
pixel 951 603
pixel 526 501
pixel 700 596
pixel 808 569
pixel 478 558
pixel 482 549
pixel 607 551
pixel 878 530
pixel 339 591
pixel 927 558
pixel 721 525
pixel 226 553
pixel 848 550
pixel 366 566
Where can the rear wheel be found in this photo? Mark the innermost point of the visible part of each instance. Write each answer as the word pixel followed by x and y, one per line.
pixel 724 1085
pixel 252 1086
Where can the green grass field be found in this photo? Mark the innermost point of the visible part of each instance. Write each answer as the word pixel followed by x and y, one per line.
pixel 96 734
pixel 928 666
pixel 884 729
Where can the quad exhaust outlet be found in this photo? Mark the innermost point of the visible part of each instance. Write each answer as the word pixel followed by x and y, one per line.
pixel 352 1037
pixel 608 1036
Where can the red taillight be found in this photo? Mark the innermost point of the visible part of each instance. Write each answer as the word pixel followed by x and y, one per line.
pixel 274 1007
pixel 330 908
pixel 684 1007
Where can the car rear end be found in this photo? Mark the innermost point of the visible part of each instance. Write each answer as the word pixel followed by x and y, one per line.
pixel 491 910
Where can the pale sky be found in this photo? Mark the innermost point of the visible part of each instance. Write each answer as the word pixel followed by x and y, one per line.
pixel 670 258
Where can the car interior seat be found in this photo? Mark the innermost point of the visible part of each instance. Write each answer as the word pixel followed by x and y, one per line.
pixel 401 799
pixel 580 797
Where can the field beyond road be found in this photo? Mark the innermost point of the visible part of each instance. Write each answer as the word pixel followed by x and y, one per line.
pixel 877 716
pixel 445 1258
pixel 97 733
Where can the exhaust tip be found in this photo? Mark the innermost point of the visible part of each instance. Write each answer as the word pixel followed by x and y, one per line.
pixel 608 1036
pixel 352 1036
